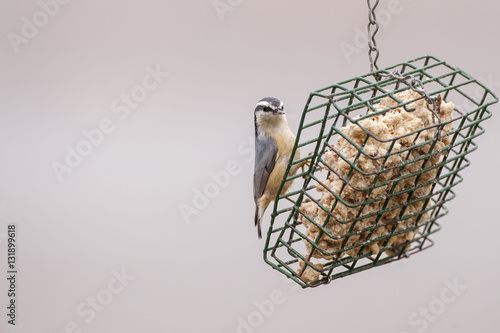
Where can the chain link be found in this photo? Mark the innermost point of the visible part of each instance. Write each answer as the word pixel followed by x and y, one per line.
pixel 373 27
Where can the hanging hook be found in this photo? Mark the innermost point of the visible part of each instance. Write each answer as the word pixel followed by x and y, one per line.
pixel 432 103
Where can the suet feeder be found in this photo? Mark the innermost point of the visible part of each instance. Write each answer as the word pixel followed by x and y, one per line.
pixel 298 244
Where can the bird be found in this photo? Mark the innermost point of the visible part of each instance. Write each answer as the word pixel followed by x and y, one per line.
pixel 274 142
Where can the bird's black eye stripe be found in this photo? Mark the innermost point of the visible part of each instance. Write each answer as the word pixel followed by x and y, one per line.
pixel 267 108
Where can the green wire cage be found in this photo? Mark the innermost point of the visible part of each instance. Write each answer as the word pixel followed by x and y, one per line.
pixel 320 232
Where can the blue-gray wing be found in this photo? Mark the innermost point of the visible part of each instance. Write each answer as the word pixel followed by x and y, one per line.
pixel 266 151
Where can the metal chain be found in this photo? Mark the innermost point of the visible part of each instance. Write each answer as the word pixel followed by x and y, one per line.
pixel 373 52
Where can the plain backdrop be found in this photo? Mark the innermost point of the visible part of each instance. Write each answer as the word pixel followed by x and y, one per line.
pixel 119 210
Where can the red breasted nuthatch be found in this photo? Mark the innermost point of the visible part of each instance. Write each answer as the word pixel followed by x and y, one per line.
pixel 273 146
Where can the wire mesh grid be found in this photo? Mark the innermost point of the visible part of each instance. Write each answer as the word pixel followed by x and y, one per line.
pixel 309 239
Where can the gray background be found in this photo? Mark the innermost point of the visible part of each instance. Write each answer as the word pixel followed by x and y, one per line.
pixel 119 209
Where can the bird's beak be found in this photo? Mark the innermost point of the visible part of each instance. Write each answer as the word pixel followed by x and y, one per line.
pixel 281 112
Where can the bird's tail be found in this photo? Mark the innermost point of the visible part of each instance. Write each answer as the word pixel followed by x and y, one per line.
pixel 258 219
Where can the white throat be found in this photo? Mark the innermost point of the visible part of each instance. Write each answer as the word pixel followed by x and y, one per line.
pixel 271 123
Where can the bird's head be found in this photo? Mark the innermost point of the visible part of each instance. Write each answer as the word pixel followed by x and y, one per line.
pixel 269 112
